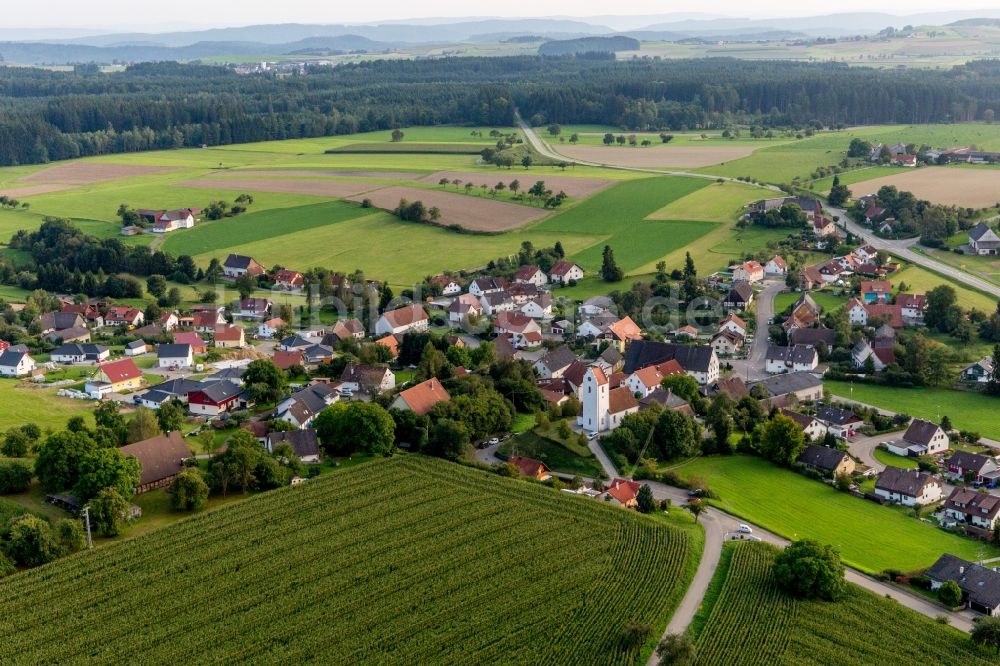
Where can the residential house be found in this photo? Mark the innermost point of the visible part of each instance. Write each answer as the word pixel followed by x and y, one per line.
pixel 667 399
pixel 390 342
pixel 874 214
pixel 16 364
pixel 90 312
pixel 367 379
pixel 114 377
pixel 269 328
pixel 296 342
pixel 198 346
pixel 555 363
pixel 865 253
pixel 749 272
pixel 973 468
pixel 983 240
pixel 411 317
pixel 253 308
pixel 811 278
pixel 137 348
pixel 487 285
pixel 287 359
pixel 510 323
pixel 911 307
pixel 161 458
pixel 304 443
pixel 698 361
pixel 812 427
pixel 205 321
pixel 970 507
pixel 120 315
pixel 346 328
pixel 799 386
pixel 832 271
pixel 686 332
pixel 422 397
pixel 797 358
pixel 539 307
pixel 726 342
pixel 531 275
pixel 644 381
pixel 826 460
pixel 603 407
pixel 165 221
pixel 875 291
pixel 76 334
pixel 174 356
pixel 823 226
pixel 611 360
pixel 979 372
pixel 50 322
pixel 562 272
pixel 313 355
pixel 862 353
pixel 74 353
pixel 464 307
pixel 496 302
pixel 734 324
pixel 621 333
pixel 841 423
pixel 980 585
pixel 740 297
pixel 229 337
pixel 237 265
pixel 448 285
pixel 776 266
pixel 232 374
pixel 214 398
pixel 921 438
pixel 290 280
pixel 530 467
pixel 907 487
pixel 169 321
pixel 623 492
pixel 812 337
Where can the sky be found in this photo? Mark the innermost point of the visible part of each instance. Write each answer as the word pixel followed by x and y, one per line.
pixel 122 15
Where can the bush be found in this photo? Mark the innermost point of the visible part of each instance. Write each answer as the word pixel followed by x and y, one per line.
pixel 15 476
pixel 188 491
pixel 923 582
pixel 810 570
pixel 950 594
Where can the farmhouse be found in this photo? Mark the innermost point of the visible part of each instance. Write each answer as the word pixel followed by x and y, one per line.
pixel 114 377
pixel 740 296
pixel 73 353
pixel 174 356
pixel 161 458
pixel 16 364
pixel 983 240
pixel 304 443
pixel 237 265
pixel 407 318
pixel 564 271
pixel 831 462
pixel 980 585
pixel 165 221
pixel 907 487
pixel 421 398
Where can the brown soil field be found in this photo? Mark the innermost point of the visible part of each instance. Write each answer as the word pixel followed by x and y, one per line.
pixel 574 187
pixel 84 173
pixel 472 213
pixel 665 156
pixel 319 188
pixel 322 173
pixel 975 188
pixel 29 190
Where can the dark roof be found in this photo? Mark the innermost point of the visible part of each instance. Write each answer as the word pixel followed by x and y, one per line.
pixel 160 457
pixel 220 391
pixel 981 584
pixel 559 358
pixel 978 231
pixel 794 355
pixel 789 383
pixel 238 261
pixel 179 386
pixel 920 432
pixel 973 503
pixel 967 460
pixel 368 377
pixel 909 482
pixel 303 442
pixel 822 457
pixel 135 344
pixel 643 353
pixel 227 374
pixel 664 398
pixel 804 420
pixel 741 292
pixel 11 359
pixel 611 356
pixel 836 416
pixel 182 350
pixel 811 336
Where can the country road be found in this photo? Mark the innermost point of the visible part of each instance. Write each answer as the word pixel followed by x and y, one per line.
pixel 753 366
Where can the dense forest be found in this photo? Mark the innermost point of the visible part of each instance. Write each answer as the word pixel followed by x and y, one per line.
pixel 48 115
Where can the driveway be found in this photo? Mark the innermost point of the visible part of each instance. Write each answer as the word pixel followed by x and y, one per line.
pixel 862 448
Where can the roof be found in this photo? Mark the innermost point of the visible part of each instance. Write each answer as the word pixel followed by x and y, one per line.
pixel 892 313
pixel 366 376
pixel 621 399
pixel 752 266
pixel 740 292
pixel 303 442
pixel 228 333
pixel 206 318
pixel 286 359
pixel 779 261
pixel 693 358
pixel 612 356
pixel 160 457
pixel 219 392
pixel 491 284
pixel 11 358
pixel 624 490
pixel 389 342
pixel 812 336
pixel 909 482
pixel 911 301
pixel 527 272
pixel 575 372
pixel 561 268
pixel 734 319
pixel 559 358
pixel 821 457
pixel 665 398
pixel 795 354
pixel 920 432
pixel 969 461
pixel 837 416
pixel 804 420
pixel 973 503
pixel 599 377
pixel 192 339
pixel 239 261
pixel 405 316
pixel 733 386
pixel 182 350
pixel 980 583
pixel 422 397
pixel 528 466
pixel 876 287
pixel 120 371
pixel 513 322
pixel 982 230
pixel 791 382
pixel 625 329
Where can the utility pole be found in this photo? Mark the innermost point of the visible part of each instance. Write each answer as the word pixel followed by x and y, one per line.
pixel 86 522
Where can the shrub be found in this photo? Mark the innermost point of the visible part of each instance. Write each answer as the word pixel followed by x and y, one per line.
pixel 15 476
pixel 950 594
pixel 810 570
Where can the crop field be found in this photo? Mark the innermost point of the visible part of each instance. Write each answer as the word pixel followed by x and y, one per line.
pixel 870 537
pixel 656 156
pixel 754 622
pixel 395 562
pixel 311 187
pixel 718 202
pixel 976 188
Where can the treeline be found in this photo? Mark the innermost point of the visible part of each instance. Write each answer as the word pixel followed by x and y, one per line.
pixel 62 115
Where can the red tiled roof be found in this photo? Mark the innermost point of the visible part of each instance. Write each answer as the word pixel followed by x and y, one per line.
pixel 189 338
pixel 626 329
pixel 120 371
pixel 287 359
pixel 621 399
pixel 228 333
pixel 623 490
pixel 422 397
pixel 405 315
pixel 561 268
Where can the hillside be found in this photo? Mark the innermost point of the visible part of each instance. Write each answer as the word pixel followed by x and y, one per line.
pixel 402 561
pixel 589 45
pixel 753 622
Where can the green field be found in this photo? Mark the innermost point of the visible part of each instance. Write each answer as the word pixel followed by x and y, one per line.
pixel 824 298
pixel 424 148
pixel 968 411
pixel 893 460
pixel 754 622
pixel 718 202
pixel 556 457
pixel 920 281
pixel 403 561
pixel 870 537
pixel 23 402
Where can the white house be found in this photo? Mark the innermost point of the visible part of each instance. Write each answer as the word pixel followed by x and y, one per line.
pixel 486 285
pixel 776 266
pixel 531 275
pixel 749 271
pixel 908 487
pixel 237 265
pixel 463 307
pixel 798 358
pixel 540 308
pixel 175 355
pixel 407 318
pixel 16 364
pixel 268 329
pixel 983 240
pixel 564 271
pixel 734 324
pixel 857 313
pixel 494 302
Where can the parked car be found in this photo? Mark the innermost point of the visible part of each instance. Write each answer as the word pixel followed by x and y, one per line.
pixel 494 441
pixel 744 529
pixel 592 435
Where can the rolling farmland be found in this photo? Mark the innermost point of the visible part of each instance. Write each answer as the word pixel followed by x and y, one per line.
pixel 753 622
pixel 402 561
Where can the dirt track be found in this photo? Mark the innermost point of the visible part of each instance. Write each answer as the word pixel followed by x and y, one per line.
pixel 976 188
pixel 656 156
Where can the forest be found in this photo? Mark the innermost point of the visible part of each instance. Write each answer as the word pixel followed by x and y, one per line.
pixel 47 115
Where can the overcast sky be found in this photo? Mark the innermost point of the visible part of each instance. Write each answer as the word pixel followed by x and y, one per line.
pixel 119 15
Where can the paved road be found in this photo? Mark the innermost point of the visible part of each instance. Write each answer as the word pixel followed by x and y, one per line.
pixel 862 448
pixel 753 366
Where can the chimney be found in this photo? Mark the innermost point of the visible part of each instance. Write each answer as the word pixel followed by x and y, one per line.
pixel 961 569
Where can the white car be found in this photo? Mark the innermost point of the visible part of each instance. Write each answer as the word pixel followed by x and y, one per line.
pixel 494 441
pixel 591 436
pixel 744 529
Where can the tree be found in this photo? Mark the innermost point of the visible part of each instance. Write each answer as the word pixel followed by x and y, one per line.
pixel 696 508
pixel 645 499
pixel 188 491
pixel 245 284
pixel 610 272
pixel 59 458
pixel 15 476
pixel 16 443
pixel 527 161
pixel 986 631
pixel 940 301
pixel 109 418
pixel 859 148
pixel 156 285
pixel 266 382
pixel 950 594
pixel 107 468
pixel 397 135
pixel 30 541
pixel 170 416
pixel 143 425
pixel 810 570
pixel 781 440
pixel 993 385
pixel 839 194
pixel 107 512
pixel 69 535
pixel 676 650
pixel 358 426
pixel 675 435
pixel 448 439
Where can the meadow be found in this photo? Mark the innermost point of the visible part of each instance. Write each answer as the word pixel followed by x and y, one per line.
pixel 753 621
pixel 870 537
pixel 24 402
pixel 400 561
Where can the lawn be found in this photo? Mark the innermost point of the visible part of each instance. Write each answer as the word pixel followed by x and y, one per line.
pixel 870 537
pixel 752 621
pixel 440 548
pixel 826 299
pixel 891 459
pixel 967 410
pixel 920 281
pixel 557 457
pixel 23 402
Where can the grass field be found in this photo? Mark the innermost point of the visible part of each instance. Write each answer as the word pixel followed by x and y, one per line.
pixel 755 622
pixel 440 565
pixel 718 202
pixel 920 281
pixel 893 460
pixel 968 411
pixel 23 402
pixel 870 537
pixel 557 457
pixel 824 298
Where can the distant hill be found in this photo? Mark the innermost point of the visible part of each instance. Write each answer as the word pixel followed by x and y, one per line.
pixel 972 22
pixel 589 45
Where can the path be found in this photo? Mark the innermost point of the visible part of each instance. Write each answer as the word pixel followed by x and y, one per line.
pixel 863 448
pixel 753 366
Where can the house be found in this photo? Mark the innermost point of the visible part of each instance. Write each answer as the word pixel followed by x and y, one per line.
pixel 562 272
pixel 832 271
pixel 776 266
pixel 797 358
pixel 464 307
pixel 881 357
pixel 169 321
pixel 983 240
pixel 726 342
pixel 74 353
pixel 698 361
pixel 174 356
pixel 980 585
pixel 555 363
pixel 887 226
pixel 509 323
pixel 970 507
pixel 733 386
pixel 75 334
pixel 646 380
pixel 348 328
pixel 495 302
pixel 237 265
pixel 621 333
pixel 16 364
pixel 137 348
pixel 812 337
pixel 831 462
pixel 205 321
pixel 305 404
pixel 740 296
pixel 686 332
pixel 487 285
pixel 253 308
pixel 296 343
pixel 447 285
pixel 749 271
pixel 733 324
pixel 667 399
pixel 972 467
pixel 865 253
pixel 229 337
pixel 873 214
pixel 539 307
pixel 50 322
pixel 421 398
pixel 164 221
pixel 114 377
pixel 313 355
pixel 269 328
pixel 390 342
pixel 531 275
pixel 875 291
pixel 811 278
pixel 841 423
pixel 603 408
pixel 823 226
pixel 120 315
pixel 234 375
pixel 923 438
pixel 979 372
pixel 290 280
pixel 530 467
pixel 198 346
pixel 860 314
pixel 803 386
pixel 304 443
pixel 214 399
pixel 407 318
pixel 90 312
pixel 368 379
pixel 911 306
pixel 623 492
pixel 811 426
pixel 907 487
pixel 561 327
pixel 161 458
pixel 611 360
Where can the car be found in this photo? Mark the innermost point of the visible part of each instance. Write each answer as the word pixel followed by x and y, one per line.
pixel 694 492
pixel 744 529
pixel 346 393
pixel 591 436
pixel 494 441
pixel 136 399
